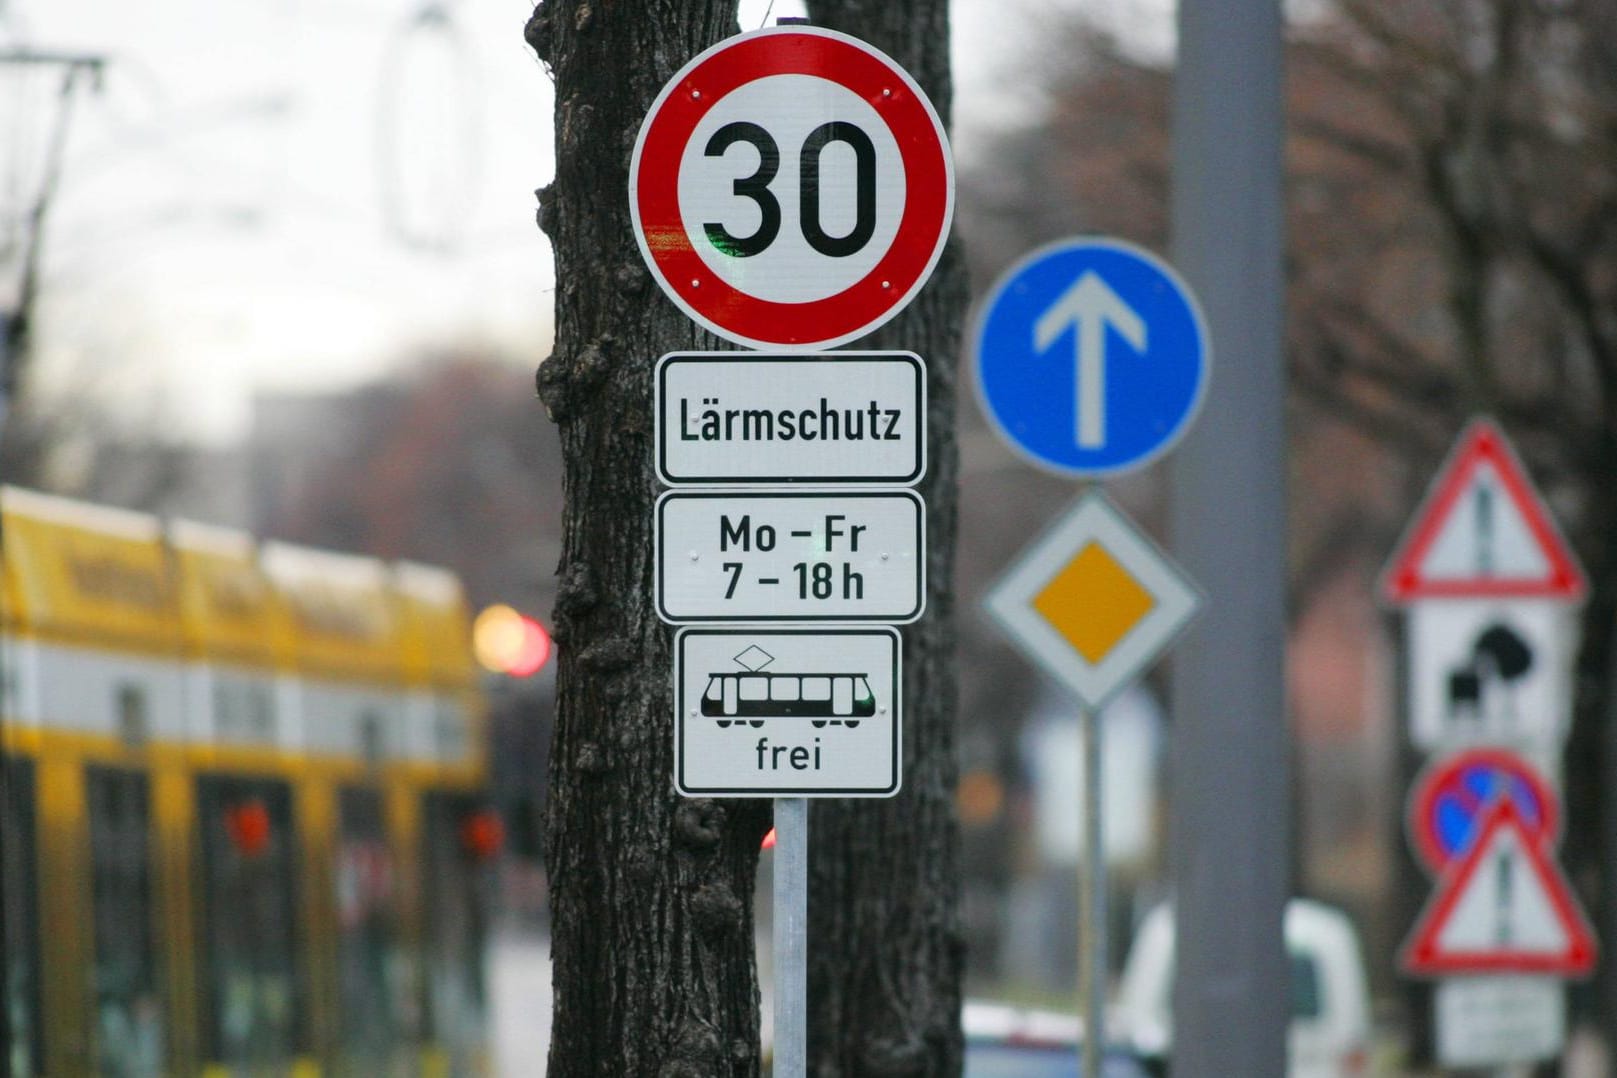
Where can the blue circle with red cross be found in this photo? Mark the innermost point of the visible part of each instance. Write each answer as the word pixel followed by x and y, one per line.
pixel 1450 802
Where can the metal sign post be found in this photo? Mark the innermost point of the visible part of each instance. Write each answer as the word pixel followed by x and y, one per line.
pixel 791 937
pixel 1093 602
pixel 1092 934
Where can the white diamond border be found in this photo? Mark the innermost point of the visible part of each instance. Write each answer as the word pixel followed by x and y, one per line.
pixel 1093 518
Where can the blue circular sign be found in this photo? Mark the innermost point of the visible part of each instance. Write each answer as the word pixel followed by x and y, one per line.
pixel 1453 798
pixel 1091 357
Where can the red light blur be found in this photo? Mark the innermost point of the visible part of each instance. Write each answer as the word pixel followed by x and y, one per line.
pixel 535 650
pixel 248 825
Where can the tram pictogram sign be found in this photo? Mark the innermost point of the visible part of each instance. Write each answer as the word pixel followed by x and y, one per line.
pixel 791 187
pixel 778 712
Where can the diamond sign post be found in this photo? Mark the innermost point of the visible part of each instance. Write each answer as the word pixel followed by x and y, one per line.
pixel 1093 603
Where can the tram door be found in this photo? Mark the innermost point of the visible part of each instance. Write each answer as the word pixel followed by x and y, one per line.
pixel 128 1017
pixel 251 994
pixel 456 892
pixel 19 920
pixel 368 961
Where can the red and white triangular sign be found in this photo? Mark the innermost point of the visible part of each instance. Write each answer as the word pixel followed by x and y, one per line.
pixel 1505 907
pixel 1483 531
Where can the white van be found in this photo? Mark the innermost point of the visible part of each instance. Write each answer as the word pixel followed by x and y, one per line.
pixel 1330 1000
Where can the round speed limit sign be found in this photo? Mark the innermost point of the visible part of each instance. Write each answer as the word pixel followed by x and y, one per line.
pixel 791 188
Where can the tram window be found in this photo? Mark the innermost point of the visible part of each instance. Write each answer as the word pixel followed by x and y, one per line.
pixel 19 920
pixel 128 1021
pixel 254 1012
pixel 457 897
pixel 369 964
pixel 243 708
pixel 816 688
pixel 715 689
pixel 783 688
pixel 372 738
pixel 754 688
pixel 133 724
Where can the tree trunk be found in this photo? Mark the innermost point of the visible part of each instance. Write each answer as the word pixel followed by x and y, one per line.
pixel 651 894
pixel 885 946
pixel 652 924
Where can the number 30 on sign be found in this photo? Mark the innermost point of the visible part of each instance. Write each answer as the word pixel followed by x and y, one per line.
pixel 791 187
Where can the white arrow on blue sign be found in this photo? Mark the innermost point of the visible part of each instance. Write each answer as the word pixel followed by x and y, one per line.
pixel 1091 357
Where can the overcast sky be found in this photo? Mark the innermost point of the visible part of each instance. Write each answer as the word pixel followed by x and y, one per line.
pixel 296 193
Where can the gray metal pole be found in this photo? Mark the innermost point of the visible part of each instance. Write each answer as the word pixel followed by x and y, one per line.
pixel 791 937
pixel 1093 930
pixel 1230 830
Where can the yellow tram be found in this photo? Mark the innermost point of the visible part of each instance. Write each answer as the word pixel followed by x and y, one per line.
pixel 245 830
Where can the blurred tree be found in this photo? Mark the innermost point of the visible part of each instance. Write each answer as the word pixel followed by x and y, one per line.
pixel 1453 250
pixel 446 463
pixel 32 175
pixel 886 950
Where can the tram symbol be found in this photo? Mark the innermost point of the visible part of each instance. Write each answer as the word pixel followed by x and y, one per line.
pixel 748 698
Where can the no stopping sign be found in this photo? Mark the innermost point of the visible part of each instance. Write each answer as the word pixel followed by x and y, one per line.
pixel 791 187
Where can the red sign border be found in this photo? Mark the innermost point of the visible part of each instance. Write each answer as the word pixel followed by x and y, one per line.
pixel 1481 441
pixel 891 283
pixel 1420 956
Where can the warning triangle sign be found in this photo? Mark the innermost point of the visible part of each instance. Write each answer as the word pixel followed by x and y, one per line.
pixel 1483 531
pixel 1505 907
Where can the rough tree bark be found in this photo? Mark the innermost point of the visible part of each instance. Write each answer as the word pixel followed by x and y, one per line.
pixel 885 945
pixel 651 894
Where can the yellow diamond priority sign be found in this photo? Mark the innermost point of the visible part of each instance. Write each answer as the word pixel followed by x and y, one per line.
pixel 1094 601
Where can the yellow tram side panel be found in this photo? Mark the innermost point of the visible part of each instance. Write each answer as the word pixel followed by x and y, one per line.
pixel 446 727
pixel 447 724
pixel 239 644
pixel 94 665
pixel 10 640
pixel 341 612
pixel 88 575
pixel 345 651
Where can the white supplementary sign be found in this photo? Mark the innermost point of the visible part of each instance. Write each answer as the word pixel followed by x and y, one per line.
pixel 1093 601
pixel 770 712
pixel 813 555
pixel 1496 1021
pixel 1490 670
pixel 744 418
pixel 791 187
